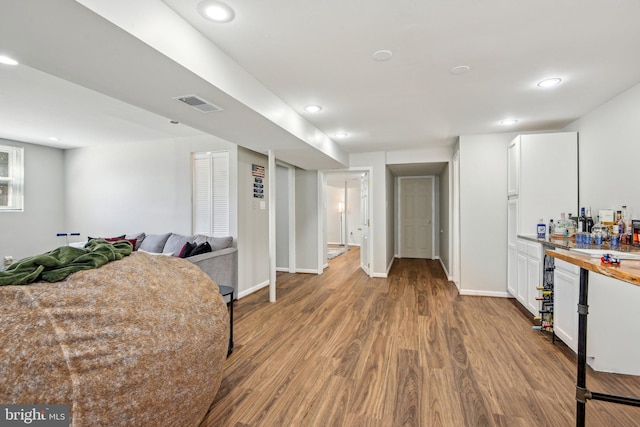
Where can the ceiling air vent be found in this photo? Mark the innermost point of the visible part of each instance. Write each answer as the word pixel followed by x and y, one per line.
pixel 198 103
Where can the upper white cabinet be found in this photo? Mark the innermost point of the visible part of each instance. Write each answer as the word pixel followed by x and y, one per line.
pixel 513 167
pixel 543 174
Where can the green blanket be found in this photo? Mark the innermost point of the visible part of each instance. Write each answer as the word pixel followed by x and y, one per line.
pixel 59 263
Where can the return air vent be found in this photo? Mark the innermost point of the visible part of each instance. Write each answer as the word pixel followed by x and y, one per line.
pixel 198 103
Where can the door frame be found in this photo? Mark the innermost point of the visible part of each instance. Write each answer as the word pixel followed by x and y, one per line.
pixel 322 213
pixel 433 212
pixel 455 223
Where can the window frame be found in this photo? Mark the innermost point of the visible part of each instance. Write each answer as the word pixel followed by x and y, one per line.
pixel 14 179
pixel 210 193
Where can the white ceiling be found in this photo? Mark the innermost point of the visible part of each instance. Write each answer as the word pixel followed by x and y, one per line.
pixel 99 71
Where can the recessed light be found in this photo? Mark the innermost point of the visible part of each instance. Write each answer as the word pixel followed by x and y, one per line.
pixel 460 69
pixel 550 82
pixel 382 55
pixel 313 108
pixel 216 11
pixel 7 61
pixel 54 138
pixel 508 122
pixel 341 134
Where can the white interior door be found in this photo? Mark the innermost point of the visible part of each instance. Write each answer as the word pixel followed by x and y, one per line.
pixel 364 223
pixel 416 217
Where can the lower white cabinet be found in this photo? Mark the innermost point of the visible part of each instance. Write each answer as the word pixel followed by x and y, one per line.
pixel 566 288
pixel 529 274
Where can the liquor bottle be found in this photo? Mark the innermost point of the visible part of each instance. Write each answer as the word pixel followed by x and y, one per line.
pixel 589 222
pixel 619 226
pixel 582 220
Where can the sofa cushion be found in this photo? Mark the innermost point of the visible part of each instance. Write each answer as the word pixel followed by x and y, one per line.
pixel 154 243
pixel 216 243
pixel 139 238
pixel 187 249
pixel 175 243
pixel 202 248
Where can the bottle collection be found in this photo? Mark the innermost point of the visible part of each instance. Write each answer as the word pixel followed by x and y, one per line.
pixel 546 298
pixel 612 227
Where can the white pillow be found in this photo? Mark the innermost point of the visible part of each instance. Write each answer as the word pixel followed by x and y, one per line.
pixel 156 253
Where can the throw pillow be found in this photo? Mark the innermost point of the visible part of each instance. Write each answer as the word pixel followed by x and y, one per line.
pixel 139 238
pixel 176 242
pixel 154 242
pixel 216 243
pixel 186 250
pixel 202 248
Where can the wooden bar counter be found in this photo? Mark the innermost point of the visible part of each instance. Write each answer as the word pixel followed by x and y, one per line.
pixel 627 271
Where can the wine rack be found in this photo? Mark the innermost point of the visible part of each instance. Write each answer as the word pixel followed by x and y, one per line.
pixel 546 298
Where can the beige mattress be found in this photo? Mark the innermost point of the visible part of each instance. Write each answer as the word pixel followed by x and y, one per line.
pixel 140 341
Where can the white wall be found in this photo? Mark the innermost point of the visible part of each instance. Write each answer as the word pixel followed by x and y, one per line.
pixel 138 186
pixel 483 214
pixel 34 231
pixel 334 196
pixel 307 221
pixel 253 225
pixel 609 145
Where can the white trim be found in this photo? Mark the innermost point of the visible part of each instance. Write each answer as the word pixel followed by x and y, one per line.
pixel 282 269
pixel 445 270
pixel 321 213
pixel 326 265
pixel 307 271
pixel 383 275
pixel 291 178
pixel 253 289
pixel 454 225
pixel 390 265
pixel 271 172
pixel 479 293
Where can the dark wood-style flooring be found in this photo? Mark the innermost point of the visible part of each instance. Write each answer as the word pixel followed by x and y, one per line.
pixel 343 349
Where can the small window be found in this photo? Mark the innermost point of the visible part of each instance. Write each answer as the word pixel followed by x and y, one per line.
pixel 11 178
pixel 210 173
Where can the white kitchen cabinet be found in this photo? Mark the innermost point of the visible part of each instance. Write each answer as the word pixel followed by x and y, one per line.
pixel 513 167
pixel 521 293
pixel 529 274
pixel 613 333
pixel 534 276
pixel 512 249
pixel 548 181
pixel 566 288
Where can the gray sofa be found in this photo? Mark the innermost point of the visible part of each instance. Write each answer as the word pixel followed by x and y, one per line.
pixel 221 264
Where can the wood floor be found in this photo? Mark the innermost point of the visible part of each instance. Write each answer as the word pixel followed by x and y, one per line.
pixel 342 349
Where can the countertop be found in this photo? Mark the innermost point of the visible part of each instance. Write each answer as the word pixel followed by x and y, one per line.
pixel 569 243
pixel 627 271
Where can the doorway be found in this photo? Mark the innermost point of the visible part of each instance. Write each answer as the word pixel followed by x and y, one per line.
pixel 346 216
pixel 416 217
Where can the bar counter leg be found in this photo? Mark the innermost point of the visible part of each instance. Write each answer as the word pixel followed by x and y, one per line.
pixel 581 382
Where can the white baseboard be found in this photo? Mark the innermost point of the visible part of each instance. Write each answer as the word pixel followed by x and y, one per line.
pixel 283 269
pixel 325 266
pixel 449 277
pixel 383 275
pixel 307 270
pixel 478 293
pixel 390 265
pixel 253 289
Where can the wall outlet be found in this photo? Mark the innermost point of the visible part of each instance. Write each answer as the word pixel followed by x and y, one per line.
pixel 8 260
